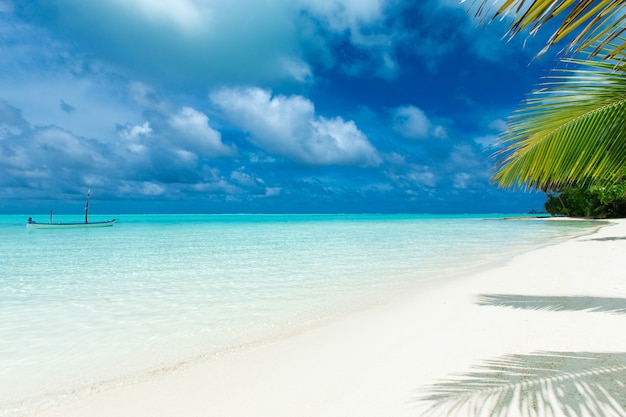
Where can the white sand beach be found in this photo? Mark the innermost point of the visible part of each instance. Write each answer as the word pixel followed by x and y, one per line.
pixel 550 324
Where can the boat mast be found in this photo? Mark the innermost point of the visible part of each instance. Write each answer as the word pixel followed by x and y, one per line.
pixel 87 206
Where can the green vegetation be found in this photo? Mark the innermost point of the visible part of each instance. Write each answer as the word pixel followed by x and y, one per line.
pixel 569 135
pixel 598 202
pixel 571 131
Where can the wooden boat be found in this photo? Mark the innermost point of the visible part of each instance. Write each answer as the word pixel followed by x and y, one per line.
pixel 60 225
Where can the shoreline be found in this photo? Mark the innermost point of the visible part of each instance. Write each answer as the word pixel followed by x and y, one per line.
pixel 381 361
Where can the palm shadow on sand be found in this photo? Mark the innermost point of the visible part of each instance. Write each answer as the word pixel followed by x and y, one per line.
pixel 541 383
pixel 552 303
pixel 607 239
pixel 534 385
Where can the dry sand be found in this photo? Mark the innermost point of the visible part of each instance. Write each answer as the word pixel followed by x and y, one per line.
pixel 549 324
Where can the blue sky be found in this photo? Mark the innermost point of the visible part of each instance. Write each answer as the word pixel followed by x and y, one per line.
pixel 207 106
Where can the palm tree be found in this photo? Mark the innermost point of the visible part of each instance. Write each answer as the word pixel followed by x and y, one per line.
pixel 570 131
pixel 588 23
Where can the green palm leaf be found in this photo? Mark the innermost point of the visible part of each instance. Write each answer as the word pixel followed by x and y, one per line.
pixel 586 22
pixel 569 131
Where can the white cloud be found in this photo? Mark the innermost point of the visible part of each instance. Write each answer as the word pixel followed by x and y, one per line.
pixel 145 188
pixel 196 42
pixel 491 140
pixel 347 14
pixel 440 132
pixel 288 126
pixel 146 97
pixel 412 123
pixel 63 149
pixel 272 191
pixel 44 157
pixel 297 69
pixel 364 24
pixel 409 176
pixel 242 178
pixel 467 168
pixel 461 180
pixel 185 15
pixel 184 157
pixel 132 132
pixel 499 125
pixel 487 141
pixel 41 75
pixel 197 135
pixel 422 176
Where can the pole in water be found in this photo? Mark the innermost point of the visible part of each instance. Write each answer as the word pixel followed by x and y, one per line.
pixel 87 206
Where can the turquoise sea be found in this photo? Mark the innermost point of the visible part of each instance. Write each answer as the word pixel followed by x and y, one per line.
pixel 87 309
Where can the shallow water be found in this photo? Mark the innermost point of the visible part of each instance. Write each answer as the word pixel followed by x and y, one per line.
pixel 88 308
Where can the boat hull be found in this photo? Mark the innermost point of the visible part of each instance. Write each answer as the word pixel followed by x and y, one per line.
pixel 108 223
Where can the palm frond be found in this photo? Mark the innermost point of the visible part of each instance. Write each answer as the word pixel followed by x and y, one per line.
pixel 571 130
pixel 540 384
pixel 587 22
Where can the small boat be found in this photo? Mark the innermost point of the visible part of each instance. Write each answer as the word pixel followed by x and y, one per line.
pixel 60 225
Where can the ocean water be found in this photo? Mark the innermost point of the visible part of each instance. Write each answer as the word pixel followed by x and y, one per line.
pixel 86 309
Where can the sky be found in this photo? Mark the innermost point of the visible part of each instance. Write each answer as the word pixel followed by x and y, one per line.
pixel 257 106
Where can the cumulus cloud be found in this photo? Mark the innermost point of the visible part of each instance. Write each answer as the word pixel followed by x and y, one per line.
pixel 288 126
pixel 132 132
pixel 196 134
pixel 143 159
pixel 66 149
pixel 49 158
pixel 412 123
pixel 171 148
